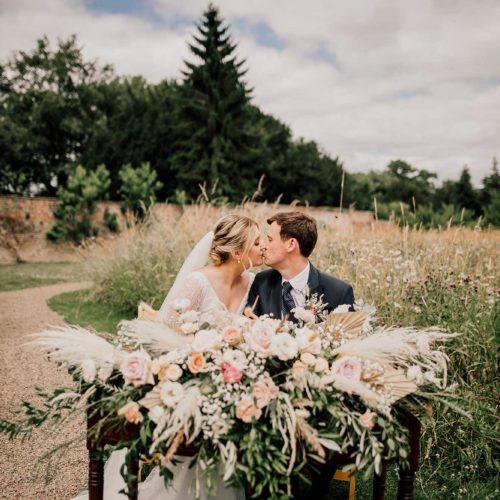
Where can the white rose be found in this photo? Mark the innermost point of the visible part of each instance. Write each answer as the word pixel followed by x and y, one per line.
pixel 173 372
pixel 171 393
pixel 284 346
pixel 321 365
pixel 180 305
pixel 88 370
pixel 188 328
pixel 304 315
pixel 156 413
pixel 189 317
pixel 308 341
pixel 206 340
pixel 235 358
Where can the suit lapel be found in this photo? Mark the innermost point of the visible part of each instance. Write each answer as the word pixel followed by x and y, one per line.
pixel 313 282
pixel 275 297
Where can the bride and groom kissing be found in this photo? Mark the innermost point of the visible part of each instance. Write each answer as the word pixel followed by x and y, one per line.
pixel 233 247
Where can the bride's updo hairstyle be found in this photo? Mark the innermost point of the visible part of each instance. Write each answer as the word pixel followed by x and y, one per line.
pixel 232 232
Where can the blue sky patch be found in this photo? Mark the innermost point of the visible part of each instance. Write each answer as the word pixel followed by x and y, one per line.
pixel 261 32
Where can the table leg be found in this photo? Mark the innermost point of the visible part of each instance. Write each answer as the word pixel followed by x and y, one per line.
pixel 96 476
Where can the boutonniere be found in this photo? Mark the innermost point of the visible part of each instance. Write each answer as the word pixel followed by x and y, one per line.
pixel 313 310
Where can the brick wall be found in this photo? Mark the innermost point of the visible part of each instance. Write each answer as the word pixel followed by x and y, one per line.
pixel 39 212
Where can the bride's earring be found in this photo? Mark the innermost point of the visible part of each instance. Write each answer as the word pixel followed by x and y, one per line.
pixel 239 260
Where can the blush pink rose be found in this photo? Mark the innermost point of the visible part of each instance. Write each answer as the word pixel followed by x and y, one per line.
pixel 348 367
pixel 246 410
pixel 231 374
pixel 367 420
pixel 136 368
pixel 232 335
pixel 260 336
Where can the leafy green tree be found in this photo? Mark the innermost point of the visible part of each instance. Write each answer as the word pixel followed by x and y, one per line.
pixel 213 136
pixel 47 110
pixel 138 188
pixel 408 183
pixel 77 202
pixel 137 126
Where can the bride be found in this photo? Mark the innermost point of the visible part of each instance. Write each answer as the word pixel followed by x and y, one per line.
pixel 232 247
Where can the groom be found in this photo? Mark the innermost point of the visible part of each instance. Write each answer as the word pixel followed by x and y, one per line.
pixel 276 291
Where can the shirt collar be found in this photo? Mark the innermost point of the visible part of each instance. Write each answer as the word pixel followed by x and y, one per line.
pixel 299 281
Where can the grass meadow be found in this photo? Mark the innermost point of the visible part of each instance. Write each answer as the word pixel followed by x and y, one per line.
pixel 447 278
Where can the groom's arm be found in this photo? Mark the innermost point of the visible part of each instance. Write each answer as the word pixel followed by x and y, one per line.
pixel 348 297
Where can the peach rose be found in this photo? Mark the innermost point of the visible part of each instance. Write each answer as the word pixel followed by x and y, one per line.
pixel 231 374
pixel 264 391
pixel 131 412
pixel 246 410
pixel 367 420
pixel 136 368
pixel 232 335
pixel 196 362
pixel 348 367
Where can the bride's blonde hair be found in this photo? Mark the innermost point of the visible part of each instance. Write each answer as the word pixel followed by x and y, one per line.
pixel 232 232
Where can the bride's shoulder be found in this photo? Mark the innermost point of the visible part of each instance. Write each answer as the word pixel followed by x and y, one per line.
pixel 195 277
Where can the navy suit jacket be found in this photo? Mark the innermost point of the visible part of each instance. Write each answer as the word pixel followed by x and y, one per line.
pixel 267 287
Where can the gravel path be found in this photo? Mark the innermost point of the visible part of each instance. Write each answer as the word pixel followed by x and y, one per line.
pixel 21 369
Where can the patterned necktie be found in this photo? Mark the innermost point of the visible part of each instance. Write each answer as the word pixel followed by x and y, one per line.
pixel 287 302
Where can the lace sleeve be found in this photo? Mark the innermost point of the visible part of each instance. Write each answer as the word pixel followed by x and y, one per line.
pixel 192 290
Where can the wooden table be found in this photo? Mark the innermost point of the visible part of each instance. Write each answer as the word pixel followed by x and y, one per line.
pixel 406 476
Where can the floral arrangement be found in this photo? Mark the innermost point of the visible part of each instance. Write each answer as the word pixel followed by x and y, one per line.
pixel 254 400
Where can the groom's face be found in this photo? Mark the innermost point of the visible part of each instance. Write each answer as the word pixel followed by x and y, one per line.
pixel 275 250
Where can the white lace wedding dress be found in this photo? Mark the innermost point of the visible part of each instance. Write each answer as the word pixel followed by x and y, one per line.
pixel 199 291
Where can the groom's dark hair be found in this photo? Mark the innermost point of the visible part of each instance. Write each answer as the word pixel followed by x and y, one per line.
pixel 299 226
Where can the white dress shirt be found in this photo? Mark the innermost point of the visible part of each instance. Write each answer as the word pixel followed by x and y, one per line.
pixel 299 284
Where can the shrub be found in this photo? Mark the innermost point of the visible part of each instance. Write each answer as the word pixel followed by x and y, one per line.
pixel 77 202
pixel 138 189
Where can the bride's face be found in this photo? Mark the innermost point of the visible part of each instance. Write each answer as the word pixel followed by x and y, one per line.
pixel 255 253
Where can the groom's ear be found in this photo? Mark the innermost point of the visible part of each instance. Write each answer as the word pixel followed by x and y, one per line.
pixel 292 244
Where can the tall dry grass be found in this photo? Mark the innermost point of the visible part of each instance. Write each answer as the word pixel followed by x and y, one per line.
pixel 448 278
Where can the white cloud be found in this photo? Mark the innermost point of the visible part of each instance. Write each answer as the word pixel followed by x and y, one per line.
pixel 412 80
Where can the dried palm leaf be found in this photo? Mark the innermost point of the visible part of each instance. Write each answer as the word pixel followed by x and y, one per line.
pixel 347 324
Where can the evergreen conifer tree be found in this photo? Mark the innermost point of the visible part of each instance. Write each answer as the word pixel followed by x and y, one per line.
pixel 214 138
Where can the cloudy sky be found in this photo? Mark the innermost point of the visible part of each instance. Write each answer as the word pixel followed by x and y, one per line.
pixel 369 80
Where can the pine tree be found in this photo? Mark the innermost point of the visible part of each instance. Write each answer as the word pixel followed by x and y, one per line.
pixel 465 196
pixel 214 142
